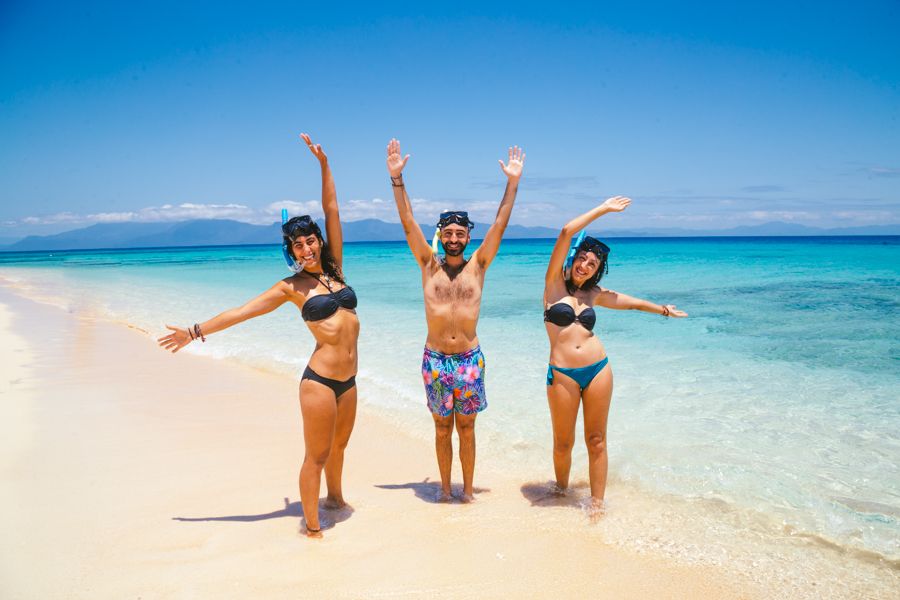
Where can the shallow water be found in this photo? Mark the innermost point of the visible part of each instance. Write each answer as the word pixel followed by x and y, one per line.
pixel 770 416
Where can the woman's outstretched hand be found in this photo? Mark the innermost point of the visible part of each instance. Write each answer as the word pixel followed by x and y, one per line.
pixel 316 149
pixel 674 312
pixel 616 203
pixel 513 168
pixel 175 341
pixel 395 161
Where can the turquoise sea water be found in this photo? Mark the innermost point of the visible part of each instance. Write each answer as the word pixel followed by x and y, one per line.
pixel 774 407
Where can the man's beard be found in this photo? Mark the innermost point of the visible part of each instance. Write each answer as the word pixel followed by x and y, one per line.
pixel 448 252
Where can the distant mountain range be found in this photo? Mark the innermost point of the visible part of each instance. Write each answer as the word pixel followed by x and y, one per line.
pixel 221 232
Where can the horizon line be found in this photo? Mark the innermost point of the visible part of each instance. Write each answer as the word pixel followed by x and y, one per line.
pixel 3 249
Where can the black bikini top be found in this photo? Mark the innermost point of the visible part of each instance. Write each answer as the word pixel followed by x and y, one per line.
pixel 323 306
pixel 564 315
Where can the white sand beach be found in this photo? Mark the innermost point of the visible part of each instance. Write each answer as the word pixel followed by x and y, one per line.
pixel 131 473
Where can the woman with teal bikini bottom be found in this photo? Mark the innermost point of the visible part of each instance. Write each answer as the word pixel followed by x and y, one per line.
pixel 579 372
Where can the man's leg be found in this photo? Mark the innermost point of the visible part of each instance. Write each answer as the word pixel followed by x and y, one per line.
pixel 465 427
pixel 443 445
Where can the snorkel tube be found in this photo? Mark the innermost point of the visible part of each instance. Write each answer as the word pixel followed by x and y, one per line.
pixel 286 248
pixel 435 240
pixel 570 257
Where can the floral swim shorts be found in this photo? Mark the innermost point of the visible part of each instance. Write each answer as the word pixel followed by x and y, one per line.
pixel 454 382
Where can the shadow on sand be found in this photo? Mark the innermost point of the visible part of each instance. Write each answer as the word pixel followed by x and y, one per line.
pixel 545 493
pixel 329 517
pixel 430 491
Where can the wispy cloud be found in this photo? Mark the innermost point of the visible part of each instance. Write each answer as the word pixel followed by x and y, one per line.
pixel 272 211
pixel 150 214
pixel 883 172
pixel 425 210
pixel 791 216
pixel 763 189
pixel 690 211
pixel 858 217
pixel 540 183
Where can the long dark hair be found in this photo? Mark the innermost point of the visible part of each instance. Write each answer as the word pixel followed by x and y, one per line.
pixel 304 225
pixel 594 245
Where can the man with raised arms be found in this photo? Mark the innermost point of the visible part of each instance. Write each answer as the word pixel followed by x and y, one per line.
pixel 453 365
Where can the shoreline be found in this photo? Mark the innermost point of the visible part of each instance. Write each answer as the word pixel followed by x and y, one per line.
pixel 152 474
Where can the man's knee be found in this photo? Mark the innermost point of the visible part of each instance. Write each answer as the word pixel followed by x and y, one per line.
pixel 443 429
pixel 465 427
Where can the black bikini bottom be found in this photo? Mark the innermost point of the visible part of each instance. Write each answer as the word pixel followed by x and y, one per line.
pixel 338 387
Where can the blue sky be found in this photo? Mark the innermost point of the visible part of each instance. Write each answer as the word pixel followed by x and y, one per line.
pixel 707 115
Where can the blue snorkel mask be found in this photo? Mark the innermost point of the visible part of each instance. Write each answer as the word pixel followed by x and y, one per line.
pixel 291 229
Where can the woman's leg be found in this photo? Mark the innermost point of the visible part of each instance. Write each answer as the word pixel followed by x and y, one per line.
pixel 597 396
pixel 563 396
pixel 343 426
pixel 317 404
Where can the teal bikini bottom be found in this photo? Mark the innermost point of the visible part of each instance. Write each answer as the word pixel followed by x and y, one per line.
pixel 583 376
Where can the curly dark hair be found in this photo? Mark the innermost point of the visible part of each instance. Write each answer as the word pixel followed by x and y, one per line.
pixel 593 280
pixel 304 226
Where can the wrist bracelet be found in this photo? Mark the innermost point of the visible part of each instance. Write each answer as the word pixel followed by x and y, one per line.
pixel 199 333
pixel 397 181
pixel 665 312
pixel 190 333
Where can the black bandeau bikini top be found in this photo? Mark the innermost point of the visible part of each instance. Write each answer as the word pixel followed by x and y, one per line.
pixel 564 315
pixel 323 306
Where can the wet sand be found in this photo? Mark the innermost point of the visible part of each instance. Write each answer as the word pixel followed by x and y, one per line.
pixel 129 472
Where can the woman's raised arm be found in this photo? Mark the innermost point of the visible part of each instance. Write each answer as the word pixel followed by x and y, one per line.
pixel 564 241
pixel 333 230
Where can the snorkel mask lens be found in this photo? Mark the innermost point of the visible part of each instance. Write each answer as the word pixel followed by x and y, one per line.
pixel 455 217
pixel 592 244
pixel 300 226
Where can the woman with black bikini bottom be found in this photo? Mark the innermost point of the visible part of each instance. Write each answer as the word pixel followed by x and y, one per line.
pixel 326 303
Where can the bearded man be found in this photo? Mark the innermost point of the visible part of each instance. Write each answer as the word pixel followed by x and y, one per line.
pixel 453 365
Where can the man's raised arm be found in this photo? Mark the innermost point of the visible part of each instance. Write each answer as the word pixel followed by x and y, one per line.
pixel 491 243
pixel 414 236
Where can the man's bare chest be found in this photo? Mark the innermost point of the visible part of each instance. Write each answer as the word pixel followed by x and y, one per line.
pixel 464 288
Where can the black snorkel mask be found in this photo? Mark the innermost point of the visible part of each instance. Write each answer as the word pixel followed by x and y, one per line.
pixel 450 217
pixel 455 217
pixel 592 244
pixel 291 229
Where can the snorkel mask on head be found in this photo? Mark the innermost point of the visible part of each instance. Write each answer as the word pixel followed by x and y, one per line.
pixel 586 243
pixel 290 230
pixel 450 217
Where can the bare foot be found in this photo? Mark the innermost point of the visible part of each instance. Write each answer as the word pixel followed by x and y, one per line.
pixel 596 510
pixel 334 502
pixel 466 498
pixel 443 497
pixel 556 490
pixel 313 533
